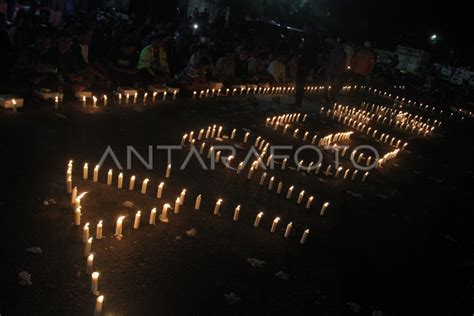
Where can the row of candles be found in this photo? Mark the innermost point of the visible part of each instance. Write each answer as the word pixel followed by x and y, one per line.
pixel 400 119
pixel 129 98
pixel 351 118
pixel 254 90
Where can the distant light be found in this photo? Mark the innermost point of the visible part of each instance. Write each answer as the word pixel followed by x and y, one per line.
pixel 434 37
pixel 195 26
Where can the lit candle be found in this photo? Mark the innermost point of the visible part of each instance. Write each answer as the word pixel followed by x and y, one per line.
pixel 69 185
pixel 218 156
pixel 118 227
pixel 197 204
pixel 85 233
pixel 135 96
pixel 177 205
pixel 365 176
pixel 120 181
pixel 283 165
pixel 270 183
pixel 145 96
pixel 94 100
pixel 77 214
pixel 280 187
pixel 182 196
pixel 274 224
pixel 127 98
pixel 290 192
pixel 109 177
pixel 164 213
pixel 304 237
pixel 168 171
pixel 354 175
pixel 96 174
pixel 153 98
pixel 232 135
pixel 194 94
pixel 136 223
pixel 201 149
pixel 262 178
pixel 346 173
pixel 119 98
pixel 217 207
pixel 152 220
pixel 164 95
pixel 246 137
pixel 257 220
pixel 131 186
pixel 98 305
pixel 98 232
pixel 338 172
pixel 105 100
pixel 310 201
pixel 201 133
pixel 236 213
pixel 84 101
pixel 288 230
pixel 249 176
pixel 85 171
pixel 90 263
pixel 144 186
pixel 323 208
pixel 95 283
pixel 159 192
pixel 56 103
pixel 239 168
pixel 87 247
pixel 300 197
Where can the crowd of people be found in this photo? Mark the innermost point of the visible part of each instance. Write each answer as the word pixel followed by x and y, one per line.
pixel 101 50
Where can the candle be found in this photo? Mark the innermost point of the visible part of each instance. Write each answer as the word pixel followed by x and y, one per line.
pixel 217 207
pixel 153 98
pixel 262 178
pixel 280 187
pixel 95 283
pixel 94 99
pixel 328 169
pixel 346 173
pixel 270 183
pixel 236 213
pixel 175 92
pixel 213 133
pixel 120 181
pixel 257 141
pixel 283 165
pixel 201 149
pixel 164 95
pixel 132 183
pixel 219 131
pixel 87 247
pixel 136 223
pixel 182 196
pixel 201 133
pixel 98 232
pixel 85 171
pixel 84 101
pixel 354 175
pixel 77 216
pixel 177 204
pixel 119 98
pixel 164 213
pixel 144 186
pixel 197 204
pixel 246 137
pixel 232 135
pixel 109 177
pixel 218 156
pixel 168 171
pixel 257 220
pixel 304 237
pixel 152 220
pixel 127 98
pixel 118 227
pixel 249 176
pixel 85 233
pixel 338 172
pixel 98 305
pixel 69 185
pixel 105 99
pixel 300 197
pixel 365 176
pixel 194 94
pixel 135 96
pixel 274 224
pixel 239 168
pixel 96 174
pixel 159 193
pixel 290 192
pixel 288 229
pixel 56 103
pixel 90 263
pixel 323 208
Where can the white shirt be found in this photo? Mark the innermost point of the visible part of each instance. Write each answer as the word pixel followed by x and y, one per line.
pixel 277 70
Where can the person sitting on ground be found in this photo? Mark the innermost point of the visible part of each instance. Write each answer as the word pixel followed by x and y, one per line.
pixel 65 60
pixel 123 64
pixel 197 78
pixel 225 69
pixel 153 63
pixel 257 69
pixel 277 69
pixel 91 69
pixel 34 69
pixel 201 52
